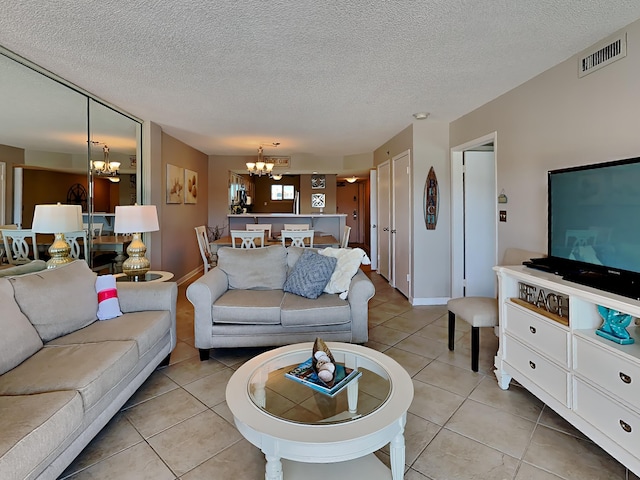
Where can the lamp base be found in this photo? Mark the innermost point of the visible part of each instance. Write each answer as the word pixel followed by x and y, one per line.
pixel 59 252
pixel 137 263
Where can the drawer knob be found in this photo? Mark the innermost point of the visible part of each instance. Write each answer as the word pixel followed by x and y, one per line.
pixel 532 365
pixel 532 329
pixel 625 378
pixel 625 426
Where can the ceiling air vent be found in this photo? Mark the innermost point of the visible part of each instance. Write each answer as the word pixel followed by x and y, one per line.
pixel 602 55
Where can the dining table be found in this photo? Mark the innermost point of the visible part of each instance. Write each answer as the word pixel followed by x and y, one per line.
pixel 115 243
pixel 319 241
pixel 102 243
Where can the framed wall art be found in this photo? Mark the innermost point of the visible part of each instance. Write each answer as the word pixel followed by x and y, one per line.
pixel 317 200
pixel 318 181
pixel 191 186
pixel 175 183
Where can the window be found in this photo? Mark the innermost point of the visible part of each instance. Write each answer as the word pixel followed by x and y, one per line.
pixel 276 192
pixel 282 192
pixel 288 192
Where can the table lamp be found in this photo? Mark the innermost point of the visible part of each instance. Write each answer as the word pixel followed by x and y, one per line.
pixel 57 219
pixel 136 219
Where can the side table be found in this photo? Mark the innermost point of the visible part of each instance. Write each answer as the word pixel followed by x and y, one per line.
pixel 150 276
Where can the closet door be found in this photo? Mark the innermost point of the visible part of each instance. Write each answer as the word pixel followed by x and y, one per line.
pixel 384 220
pixel 401 223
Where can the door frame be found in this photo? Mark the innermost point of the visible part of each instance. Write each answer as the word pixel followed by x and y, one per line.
pixel 405 215
pixel 457 209
pixel 373 219
pixel 381 231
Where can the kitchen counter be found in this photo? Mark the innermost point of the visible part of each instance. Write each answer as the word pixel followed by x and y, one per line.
pixel 323 223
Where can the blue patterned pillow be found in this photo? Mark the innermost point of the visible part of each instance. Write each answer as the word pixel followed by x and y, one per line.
pixel 310 275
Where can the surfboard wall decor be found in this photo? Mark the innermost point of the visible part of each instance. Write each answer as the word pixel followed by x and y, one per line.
pixel 431 200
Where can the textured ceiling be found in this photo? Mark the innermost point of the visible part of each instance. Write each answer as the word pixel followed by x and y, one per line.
pixel 320 77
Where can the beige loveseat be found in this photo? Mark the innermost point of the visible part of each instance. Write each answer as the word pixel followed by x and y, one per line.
pixel 63 374
pixel 241 303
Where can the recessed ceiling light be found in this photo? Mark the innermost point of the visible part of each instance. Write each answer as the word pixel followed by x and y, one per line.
pixel 420 115
pixel 352 179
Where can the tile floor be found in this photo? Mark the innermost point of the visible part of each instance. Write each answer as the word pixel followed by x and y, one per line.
pixel 460 425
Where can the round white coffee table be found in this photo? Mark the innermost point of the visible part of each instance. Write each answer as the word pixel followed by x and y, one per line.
pixel 310 435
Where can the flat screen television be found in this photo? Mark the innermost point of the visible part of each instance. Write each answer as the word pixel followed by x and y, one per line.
pixel 594 225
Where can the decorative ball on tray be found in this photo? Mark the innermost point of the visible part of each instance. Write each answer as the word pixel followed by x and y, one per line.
pixel 323 363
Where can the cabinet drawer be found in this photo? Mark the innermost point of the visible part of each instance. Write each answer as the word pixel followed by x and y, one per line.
pixel 607 369
pixel 541 334
pixel 614 420
pixel 547 375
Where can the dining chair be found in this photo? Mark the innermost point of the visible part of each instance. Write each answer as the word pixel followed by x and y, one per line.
pixel 345 237
pixel 78 243
pixel 254 227
pixel 247 238
pixel 297 237
pixel 296 227
pixel 2 250
pixel 96 228
pixel 209 258
pixel 17 247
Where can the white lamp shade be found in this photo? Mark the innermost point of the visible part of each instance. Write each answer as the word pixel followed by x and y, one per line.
pixel 57 218
pixel 136 219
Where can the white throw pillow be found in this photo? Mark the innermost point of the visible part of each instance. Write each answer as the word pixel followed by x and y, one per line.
pixel 349 260
pixel 108 304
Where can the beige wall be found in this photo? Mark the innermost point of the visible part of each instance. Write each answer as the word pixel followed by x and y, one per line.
pixel 10 156
pixel 556 120
pixel 219 167
pixel 329 191
pixel 431 248
pixel 262 202
pixel 428 143
pixel 392 147
pixel 174 247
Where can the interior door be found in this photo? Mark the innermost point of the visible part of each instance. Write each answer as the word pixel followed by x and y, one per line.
pixel 384 220
pixel 480 202
pixel 401 223
pixel 347 201
pixel 373 227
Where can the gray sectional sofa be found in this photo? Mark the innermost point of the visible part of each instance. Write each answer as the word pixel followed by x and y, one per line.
pixel 63 374
pixel 241 303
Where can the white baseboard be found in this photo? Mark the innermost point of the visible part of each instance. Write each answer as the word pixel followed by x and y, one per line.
pixel 190 275
pixel 430 301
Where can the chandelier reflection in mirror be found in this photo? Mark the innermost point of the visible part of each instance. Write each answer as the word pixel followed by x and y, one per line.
pixel 260 167
pixel 105 167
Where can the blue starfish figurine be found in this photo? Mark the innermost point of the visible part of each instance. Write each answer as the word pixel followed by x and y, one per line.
pixel 614 326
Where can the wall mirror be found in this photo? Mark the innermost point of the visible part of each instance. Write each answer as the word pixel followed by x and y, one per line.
pixel 51 135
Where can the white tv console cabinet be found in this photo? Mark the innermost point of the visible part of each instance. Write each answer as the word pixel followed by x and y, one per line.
pixel 592 382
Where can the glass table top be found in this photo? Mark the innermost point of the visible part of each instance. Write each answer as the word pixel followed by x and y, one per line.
pixel 147 277
pixel 289 400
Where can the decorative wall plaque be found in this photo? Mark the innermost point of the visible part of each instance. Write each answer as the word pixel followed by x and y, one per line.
pixel 318 181
pixel 284 162
pixel 317 200
pixel 551 304
pixel 431 200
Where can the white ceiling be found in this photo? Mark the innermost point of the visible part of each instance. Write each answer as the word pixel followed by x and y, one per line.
pixel 322 78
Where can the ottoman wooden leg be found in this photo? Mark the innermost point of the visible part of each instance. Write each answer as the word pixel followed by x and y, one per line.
pixel 452 329
pixel 475 348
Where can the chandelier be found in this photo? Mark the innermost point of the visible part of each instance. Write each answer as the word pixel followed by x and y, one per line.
pixel 105 167
pixel 260 167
